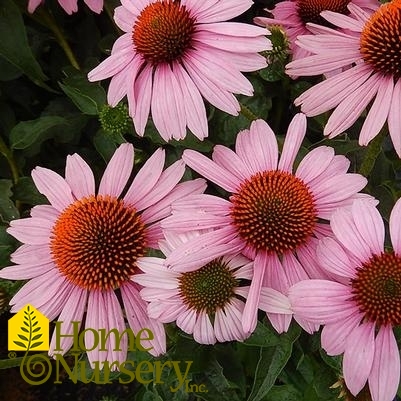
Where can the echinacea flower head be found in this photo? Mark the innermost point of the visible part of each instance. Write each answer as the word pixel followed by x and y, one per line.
pixel 274 215
pixel 360 305
pixel 206 302
pixel 295 15
pixel 372 49
pixel 173 53
pixel 69 6
pixel 81 251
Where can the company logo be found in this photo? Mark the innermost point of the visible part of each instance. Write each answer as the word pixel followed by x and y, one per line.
pixel 28 331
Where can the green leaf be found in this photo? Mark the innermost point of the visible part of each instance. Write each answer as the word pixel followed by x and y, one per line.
pixel 22 337
pixel 271 362
pixel 36 344
pixel 87 96
pixel 25 191
pixel 13 362
pixel 263 336
pixel 8 211
pixel 14 45
pixel 26 133
pixel 5 252
pixel 20 344
pixel 285 392
pixel 104 144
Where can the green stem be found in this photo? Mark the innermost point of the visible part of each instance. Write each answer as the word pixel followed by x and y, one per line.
pixel 7 153
pixel 51 23
pixel 372 152
pixel 247 113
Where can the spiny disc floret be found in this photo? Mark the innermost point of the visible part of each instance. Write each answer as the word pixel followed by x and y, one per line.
pixel 209 288
pixel 309 10
pixel 377 289
pixel 274 211
pixel 381 40
pixel 96 242
pixel 163 31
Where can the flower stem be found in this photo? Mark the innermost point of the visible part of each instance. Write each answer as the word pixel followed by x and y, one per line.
pixel 7 153
pixel 372 152
pixel 247 113
pixel 51 23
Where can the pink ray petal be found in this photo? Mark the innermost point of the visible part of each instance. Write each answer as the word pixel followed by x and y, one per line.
pixel 79 177
pixel 138 319
pixel 73 310
pixel 335 335
pixel 250 315
pixel 32 255
pixel 394 118
pixel 33 231
pixel 258 147
pixel 369 223
pixel 395 227
pixel 334 259
pixel 358 357
pixel 146 178
pixel 211 170
pixel 314 163
pixel 295 135
pixel 378 112
pixel 53 186
pixel 118 171
pixel 203 330
pixel 385 375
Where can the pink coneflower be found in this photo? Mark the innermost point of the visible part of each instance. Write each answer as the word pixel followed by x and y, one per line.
pixel 294 15
pixel 85 246
pixel 373 48
pixel 361 304
pixel 273 215
pixel 69 6
pixel 207 301
pixel 174 52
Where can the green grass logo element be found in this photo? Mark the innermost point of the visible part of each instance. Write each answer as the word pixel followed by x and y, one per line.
pixel 32 331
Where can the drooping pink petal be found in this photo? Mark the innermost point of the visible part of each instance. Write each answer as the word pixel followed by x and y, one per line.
pixel 394 118
pixel 230 161
pixel 343 21
pixel 73 311
pixel 348 111
pixel 69 6
pixel 195 110
pixel 96 319
pixel 95 5
pixel 385 375
pixel 135 309
pixel 118 171
pixel 32 255
pixel 250 316
pixel 168 112
pixel 140 109
pixel 378 112
pixel 358 357
pixel 186 321
pixel 203 330
pixel 212 11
